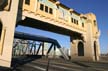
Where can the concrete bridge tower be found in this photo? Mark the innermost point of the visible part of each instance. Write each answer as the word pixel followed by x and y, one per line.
pixel 49 15
pixel 8 19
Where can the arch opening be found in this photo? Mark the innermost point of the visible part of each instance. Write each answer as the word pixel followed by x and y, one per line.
pixel 80 49
pixel 95 50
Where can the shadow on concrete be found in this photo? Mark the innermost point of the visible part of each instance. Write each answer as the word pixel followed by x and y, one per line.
pixel 80 64
pixel 18 62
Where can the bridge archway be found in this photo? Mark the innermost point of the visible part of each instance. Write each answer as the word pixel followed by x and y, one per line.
pixel 80 49
pixel 1 26
pixel 95 47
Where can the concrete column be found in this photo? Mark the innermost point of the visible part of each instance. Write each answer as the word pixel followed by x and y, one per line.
pixel 97 50
pixel 73 50
pixel 8 19
pixel 89 43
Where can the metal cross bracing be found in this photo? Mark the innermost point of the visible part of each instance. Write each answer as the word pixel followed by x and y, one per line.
pixel 28 47
pixel 27 44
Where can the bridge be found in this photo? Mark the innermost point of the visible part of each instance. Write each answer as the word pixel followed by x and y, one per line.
pixel 49 15
pixel 28 45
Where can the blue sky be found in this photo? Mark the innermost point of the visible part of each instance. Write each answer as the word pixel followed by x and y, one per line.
pixel 98 7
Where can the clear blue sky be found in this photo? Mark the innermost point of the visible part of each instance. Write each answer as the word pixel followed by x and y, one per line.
pixel 98 7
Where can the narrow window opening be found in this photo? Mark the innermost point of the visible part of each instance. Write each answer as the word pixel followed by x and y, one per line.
pixel 46 9
pixel 72 20
pixel 41 7
pixel 77 22
pixel 51 11
pixel 94 22
pixel 27 2
pixel 82 24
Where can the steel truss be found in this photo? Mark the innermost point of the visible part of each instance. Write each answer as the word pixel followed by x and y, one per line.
pixel 26 44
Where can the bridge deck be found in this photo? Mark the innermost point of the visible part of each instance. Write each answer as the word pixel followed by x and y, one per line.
pixel 57 65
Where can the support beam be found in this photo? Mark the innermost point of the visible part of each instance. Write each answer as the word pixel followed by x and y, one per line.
pixel 54 51
pixel 39 48
pixel 49 49
pixel 34 48
pixel 42 48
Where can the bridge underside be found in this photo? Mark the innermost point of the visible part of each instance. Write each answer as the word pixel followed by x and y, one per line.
pixel 29 22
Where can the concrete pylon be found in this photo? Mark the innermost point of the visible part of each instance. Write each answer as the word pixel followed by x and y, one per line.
pixel 90 42
pixel 8 20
